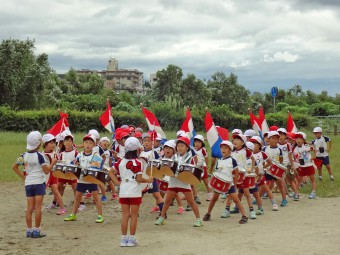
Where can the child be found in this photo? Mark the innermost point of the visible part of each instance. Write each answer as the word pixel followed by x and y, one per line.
pixel 183 156
pixel 262 161
pixel 87 159
pixel 226 166
pixel 35 166
pixel 323 146
pixel 49 144
pixel 119 152
pixel 157 145
pixel 129 169
pixel 302 154
pixel 275 154
pixel 202 161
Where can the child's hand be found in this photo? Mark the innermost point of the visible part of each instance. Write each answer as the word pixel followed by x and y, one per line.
pixel 150 179
pixel 54 161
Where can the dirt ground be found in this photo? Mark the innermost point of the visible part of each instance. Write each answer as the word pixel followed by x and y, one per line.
pixel 304 227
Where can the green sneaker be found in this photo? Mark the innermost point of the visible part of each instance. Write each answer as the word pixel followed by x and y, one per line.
pixel 260 212
pixel 71 217
pixel 160 221
pixel 225 214
pixel 198 223
pixel 99 219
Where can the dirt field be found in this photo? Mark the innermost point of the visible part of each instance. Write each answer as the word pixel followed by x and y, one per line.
pixel 304 227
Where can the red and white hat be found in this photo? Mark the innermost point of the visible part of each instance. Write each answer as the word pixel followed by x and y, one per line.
pixel 200 138
pixel 273 133
pixel 291 135
pixel 185 139
pixel 273 128
pixel 180 133
pixel 228 143
pixel 300 135
pixel 250 146
pixel 241 137
pixel 171 144
pixel 282 130
pixel 237 131
pixel 89 137
pixel 121 134
pixel 256 139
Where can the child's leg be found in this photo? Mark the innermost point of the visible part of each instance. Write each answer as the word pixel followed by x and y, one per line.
pixel 168 199
pixel 313 182
pixel 134 219
pixel 97 201
pixel 213 202
pixel 329 169
pixel 237 202
pixel 57 196
pixel 258 199
pixel 159 200
pixel 280 185
pixel 125 218
pixel 206 183
pixel 29 211
pixel 320 171
pixel 61 188
pixel 76 203
pixel 248 197
pixel 178 199
pixel 74 187
pixel 228 202
pixel 112 187
pixel 103 190
pixel 190 199
pixel 38 206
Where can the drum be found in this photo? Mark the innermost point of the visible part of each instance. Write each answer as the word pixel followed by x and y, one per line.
pixel 163 184
pixel 154 165
pixel 252 180
pixel 93 175
pixel 58 170
pixel 72 172
pixel 190 174
pixel 277 170
pixel 168 167
pixel 220 183
pixel 241 175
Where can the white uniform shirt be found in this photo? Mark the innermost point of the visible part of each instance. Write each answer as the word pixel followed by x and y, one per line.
pixel 201 156
pixel 260 158
pixel 225 168
pixel 286 149
pixel 274 153
pixel 89 160
pixel 321 142
pixel 241 156
pixel 303 153
pixel 68 156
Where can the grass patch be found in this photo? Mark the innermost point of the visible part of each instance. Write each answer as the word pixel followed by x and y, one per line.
pixel 12 145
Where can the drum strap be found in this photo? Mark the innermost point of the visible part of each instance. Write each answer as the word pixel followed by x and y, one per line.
pixel 186 156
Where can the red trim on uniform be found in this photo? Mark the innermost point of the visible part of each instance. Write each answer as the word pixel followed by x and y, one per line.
pixel 205 173
pixel 306 171
pixel 65 181
pixel 179 190
pixel 130 200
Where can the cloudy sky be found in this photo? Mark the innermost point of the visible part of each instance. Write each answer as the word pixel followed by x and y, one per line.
pixel 265 43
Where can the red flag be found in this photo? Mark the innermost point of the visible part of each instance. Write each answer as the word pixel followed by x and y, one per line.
pixel 60 126
pixel 255 122
pixel 291 127
pixel 152 122
pixel 106 118
pixel 263 122
pixel 223 133
pixel 188 126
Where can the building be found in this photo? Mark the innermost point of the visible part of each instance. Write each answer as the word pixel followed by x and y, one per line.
pixel 153 79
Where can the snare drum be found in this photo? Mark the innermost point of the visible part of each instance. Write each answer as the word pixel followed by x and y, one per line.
pixel 220 183
pixel 277 170
pixel 168 167
pixel 72 172
pixel 251 178
pixel 241 175
pixel 154 165
pixel 190 174
pixel 93 175
pixel 163 184
pixel 58 170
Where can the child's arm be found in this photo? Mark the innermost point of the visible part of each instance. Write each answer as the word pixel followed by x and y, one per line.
pixel 140 179
pixel 212 164
pixel 236 175
pixel 113 176
pixel 15 168
pixel 329 145
pixel 267 163
pixel 281 159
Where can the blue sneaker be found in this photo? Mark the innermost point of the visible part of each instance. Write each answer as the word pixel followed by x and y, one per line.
pixel 312 195
pixel 124 241
pixel 235 210
pixel 284 202
pixel 29 233
pixel 132 242
pixel 37 233
pixel 104 199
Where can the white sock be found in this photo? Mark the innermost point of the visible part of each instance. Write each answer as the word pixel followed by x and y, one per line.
pixel 132 237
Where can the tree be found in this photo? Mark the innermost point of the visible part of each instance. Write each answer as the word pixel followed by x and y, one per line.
pixel 194 92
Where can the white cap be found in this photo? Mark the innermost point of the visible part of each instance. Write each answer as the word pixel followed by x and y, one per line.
pixel 250 146
pixel 228 143
pixel 60 137
pixel 104 139
pixel 180 133
pixel 301 135
pixel 237 131
pixel 282 130
pixel 317 130
pixel 33 140
pixel 250 132
pixel 159 137
pixel 66 132
pixel 132 144
pixel 94 133
pixel 171 144
pixel 68 135
pixel 242 137
pixel 47 138
pixel 273 133
pixel 199 137
pixel 89 136
pixel 256 139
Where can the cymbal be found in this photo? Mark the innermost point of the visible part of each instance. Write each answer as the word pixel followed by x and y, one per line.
pixel 165 170
pixel 188 178
pixel 155 172
pixel 59 174
pixel 70 176
pixel 93 180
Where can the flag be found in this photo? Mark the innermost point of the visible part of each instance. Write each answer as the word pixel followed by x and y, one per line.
pixel 262 121
pixel 213 137
pixel 60 126
pixel 291 127
pixel 223 133
pixel 255 123
pixel 153 123
pixel 106 119
pixel 188 127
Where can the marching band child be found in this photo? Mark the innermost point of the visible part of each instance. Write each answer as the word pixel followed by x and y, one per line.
pixel 35 166
pixel 322 145
pixel 302 154
pixel 119 152
pixel 129 168
pixel 86 159
pixel 226 166
pixel 157 145
pixel 182 156
pixel 49 144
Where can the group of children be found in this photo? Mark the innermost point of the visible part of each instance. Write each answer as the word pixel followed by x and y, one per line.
pixel 245 167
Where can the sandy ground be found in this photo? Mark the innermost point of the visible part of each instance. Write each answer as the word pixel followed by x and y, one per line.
pixel 304 227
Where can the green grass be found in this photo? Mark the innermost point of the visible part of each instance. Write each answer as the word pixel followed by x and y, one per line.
pixel 13 144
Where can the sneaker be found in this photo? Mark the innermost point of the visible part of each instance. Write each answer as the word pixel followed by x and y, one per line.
pixel 253 215
pixel 37 233
pixel 198 223
pixel 154 209
pixel 224 196
pixel 159 221
pixel 29 233
pixel 235 210
pixel 284 202
pixel 291 194
pixel 225 214
pixel 81 207
pixel 206 217
pixel 332 179
pixel 312 195
pixel 51 206
pixel 132 242
pixel 88 195
pixel 188 208
pixel 260 212
pixel 61 211
pixel 275 207
pixel 265 196
pixel 296 197
pixel 71 217
pixel 243 220
pixel 99 219
pixel 124 241
pixel 254 202
pixel 209 196
pixel 320 178
pixel 197 200
pixel 114 197
pixel 180 210
pixel 104 199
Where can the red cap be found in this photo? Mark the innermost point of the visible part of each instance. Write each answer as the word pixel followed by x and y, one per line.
pixel 273 128
pixel 138 135
pixel 121 134
pixel 291 135
pixel 184 140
